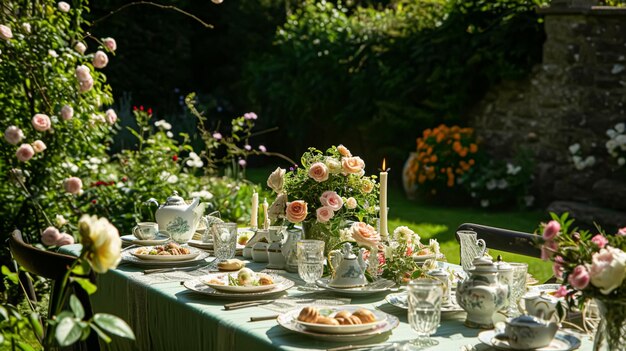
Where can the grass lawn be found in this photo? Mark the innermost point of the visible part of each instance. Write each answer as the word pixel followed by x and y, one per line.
pixel 440 222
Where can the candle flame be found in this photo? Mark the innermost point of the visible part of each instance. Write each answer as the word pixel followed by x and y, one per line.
pixel 384 164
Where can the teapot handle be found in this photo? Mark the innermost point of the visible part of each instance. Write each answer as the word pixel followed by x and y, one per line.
pixel 332 264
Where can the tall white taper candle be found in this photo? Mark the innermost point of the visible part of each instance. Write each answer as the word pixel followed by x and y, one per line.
pixel 254 213
pixel 384 231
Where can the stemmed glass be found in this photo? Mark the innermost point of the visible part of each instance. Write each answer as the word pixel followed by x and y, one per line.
pixel 425 298
pixel 310 255
pixel 518 288
pixel 224 240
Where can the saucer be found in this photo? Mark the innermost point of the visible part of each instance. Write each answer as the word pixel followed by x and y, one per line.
pixel 561 342
pixel 131 239
pixel 379 286
pixel 400 300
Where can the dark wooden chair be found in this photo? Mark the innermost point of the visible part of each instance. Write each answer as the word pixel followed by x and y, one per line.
pixel 53 266
pixel 504 239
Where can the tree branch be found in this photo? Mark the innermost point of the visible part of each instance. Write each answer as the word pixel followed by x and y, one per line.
pixel 149 3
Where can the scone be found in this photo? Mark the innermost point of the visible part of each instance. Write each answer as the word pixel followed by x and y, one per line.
pixel 364 315
pixel 231 265
pixel 326 320
pixel 308 315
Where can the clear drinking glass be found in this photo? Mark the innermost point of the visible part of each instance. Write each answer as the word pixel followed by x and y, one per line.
pixel 471 247
pixel 310 255
pixel 518 288
pixel 425 297
pixel 224 240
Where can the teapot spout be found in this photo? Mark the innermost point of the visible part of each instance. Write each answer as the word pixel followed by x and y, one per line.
pixel 152 201
pixel 361 261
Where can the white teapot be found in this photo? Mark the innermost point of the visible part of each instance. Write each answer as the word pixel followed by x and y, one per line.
pixel 178 219
pixel 349 268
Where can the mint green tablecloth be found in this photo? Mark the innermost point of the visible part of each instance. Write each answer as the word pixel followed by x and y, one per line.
pixel 166 316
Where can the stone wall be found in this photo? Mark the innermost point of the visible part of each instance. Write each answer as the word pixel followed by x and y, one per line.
pixel 573 96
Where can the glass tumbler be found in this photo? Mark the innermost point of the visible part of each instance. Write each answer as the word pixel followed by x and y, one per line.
pixel 425 297
pixel 224 240
pixel 310 255
pixel 518 288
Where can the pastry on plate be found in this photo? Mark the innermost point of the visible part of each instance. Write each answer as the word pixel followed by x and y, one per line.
pixel 343 314
pixel 231 265
pixel 308 315
pixel 366 316
pixel 326 320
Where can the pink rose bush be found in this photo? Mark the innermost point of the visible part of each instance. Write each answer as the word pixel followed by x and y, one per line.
pixel 364 234
pixel 73 185
pixel 25 152
pixel 41 122
pixel 5 32
pixel 39 146
pixel 100 59
pixel 334 188
pixel 13 135
pixel 110 44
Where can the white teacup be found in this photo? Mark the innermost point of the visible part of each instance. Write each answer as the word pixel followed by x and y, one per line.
pixel 146 230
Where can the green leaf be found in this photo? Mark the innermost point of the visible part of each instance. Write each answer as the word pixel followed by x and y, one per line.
pixel 100 333
pixel 77 307
pixel 86 284
pixel 12 276
pixel 24 346
pixel 35 324
pixel 113 325
pixel 4 313
pixel 67 331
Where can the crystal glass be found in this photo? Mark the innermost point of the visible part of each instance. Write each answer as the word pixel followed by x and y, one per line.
pixel 224 240
pixel 471 247
pixel 518 288
pixel 310 255
pixel 425 297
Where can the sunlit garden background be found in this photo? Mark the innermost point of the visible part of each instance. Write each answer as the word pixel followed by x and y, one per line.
pixel 486 111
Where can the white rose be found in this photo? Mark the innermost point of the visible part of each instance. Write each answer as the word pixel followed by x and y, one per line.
pixel 620 127
pixel 100 59
pixel 63 6
pixel 67 112
pixel 111 116
pixel 80 48
pixel 13 135
pixel 334 166
pixel 60 220
pixel 38 146
pixel 82 73
pixel 276 179
pixel 5 32
pixel 608 269
pixel 26 27
pixel 53 53
pixel 102 240
pixel 404 234
pixel 110 44
pixel 351 203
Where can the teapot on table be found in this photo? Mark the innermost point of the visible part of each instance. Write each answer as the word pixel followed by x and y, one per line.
pixel 349 269
pixel 178 219
pixel 528 332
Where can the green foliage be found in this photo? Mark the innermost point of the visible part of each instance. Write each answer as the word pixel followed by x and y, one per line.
pixel 398 69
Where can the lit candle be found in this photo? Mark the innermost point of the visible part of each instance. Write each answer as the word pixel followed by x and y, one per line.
pixel 266 218
pixel 384 231
pixel 254 220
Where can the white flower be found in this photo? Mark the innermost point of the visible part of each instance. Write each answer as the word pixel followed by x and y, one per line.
pixel 80 48
pixel 388 252
pixel 194 160
pixel 169 134
pixel 433 246
pixel 67 112
pixel 163 124
pixel 608 269
pixel 276 180
pixel 502 184
pixel 53 53
pixel 63 6
pixel 13 135
pixel 574 148
pixel 70 166
pixel 620 127
pixel 621 161
pixel 60 221
pixel 26 27
pixel 484 203
pixel 590 161
pixel 111 116
pixel 512 169
pixel 203 194
pixel 404 234
pixel 611 133
pixel 172 179
pixel 345 235
pixel 611 145
pixel 102 240
pixel 5 32
pixel 621 139
pixel 334 166
pixel 491 184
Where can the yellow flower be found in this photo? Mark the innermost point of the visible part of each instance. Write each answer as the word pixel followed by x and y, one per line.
pixel 102 242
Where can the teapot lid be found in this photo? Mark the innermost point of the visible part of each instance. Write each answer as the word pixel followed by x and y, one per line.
pixel 501 265
pixel 175 200
pixel 347 252
pixel 483 264
pixel 437 273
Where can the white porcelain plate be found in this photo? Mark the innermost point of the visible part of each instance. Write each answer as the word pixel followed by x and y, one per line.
pixel 561 342
pixel 288 320
pixel 211 280
pixel 193 253
pixel 209 245
pixel 400 300
pixel 379 286
pixel 199 287
pixel 344 329
pixel 131 239
pixel 127 257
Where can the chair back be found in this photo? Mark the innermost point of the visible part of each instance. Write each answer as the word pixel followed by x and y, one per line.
pixel 43 263
pixel 505 240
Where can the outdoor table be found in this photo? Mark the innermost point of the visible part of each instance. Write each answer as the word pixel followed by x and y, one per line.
pixel 166 316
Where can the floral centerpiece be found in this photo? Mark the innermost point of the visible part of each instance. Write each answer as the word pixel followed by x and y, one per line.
pixel 325 194
pixel 590 266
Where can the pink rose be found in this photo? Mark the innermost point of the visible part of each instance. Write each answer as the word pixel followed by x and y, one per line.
pixel 364 234
pixel 80 48
pixel 5 32
pixel 41 122
pixel 85 85
pixel 561 291
pixel 110 44
pixel 351 203
pixel 63 6
pixel 352 165
pixel 250 116
pixel 111 116
pixel 217 136
pixel 332 200
pixel 600 240
pixel 50 236
pixel 67 112
pixel 82 73
pixel 73 185
pixel 548 249
pixel 39 146
pixel 319 172
pixel 100 59
pixel 13 135
pixel 621 232
pixel 551 230
pixel 557 268
pixel 579 278
pixel 65 239
pixel 296 211
pixel 324 214
pixel 262 148
pixel 242 162
pixel 25 152
pixel 343 151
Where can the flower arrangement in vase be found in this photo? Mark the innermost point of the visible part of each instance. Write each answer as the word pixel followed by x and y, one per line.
pixel 590 266
pixel 328 191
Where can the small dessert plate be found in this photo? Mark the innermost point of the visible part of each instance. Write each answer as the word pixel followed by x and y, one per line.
pixel 213 280
pixel 379 286
pixel 561 342
pixel 170 258
pixel 345 329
